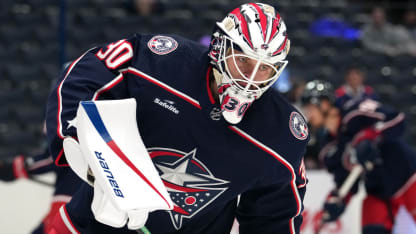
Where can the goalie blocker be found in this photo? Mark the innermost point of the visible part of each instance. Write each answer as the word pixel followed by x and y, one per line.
pixel 110 156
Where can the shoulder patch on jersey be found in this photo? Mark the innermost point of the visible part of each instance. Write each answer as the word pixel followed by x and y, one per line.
pixel 298 126
pixel 162 45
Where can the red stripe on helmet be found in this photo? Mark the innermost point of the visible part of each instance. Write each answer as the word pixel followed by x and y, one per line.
pixel 278 18
pixel 274 28
pixel 243 25
pixel 263 19
pixel 281 47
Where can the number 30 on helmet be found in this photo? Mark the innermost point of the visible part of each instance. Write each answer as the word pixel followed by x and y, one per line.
pixel 248 51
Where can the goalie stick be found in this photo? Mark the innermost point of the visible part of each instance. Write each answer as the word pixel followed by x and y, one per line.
pixel 143 230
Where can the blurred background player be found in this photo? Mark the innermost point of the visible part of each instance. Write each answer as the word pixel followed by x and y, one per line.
pixel 370 134
pixel 353 89
pixel 323 118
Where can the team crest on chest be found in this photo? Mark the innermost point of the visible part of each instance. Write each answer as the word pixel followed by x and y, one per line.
pixel 190 184
pixel 298 126
pixel 162 44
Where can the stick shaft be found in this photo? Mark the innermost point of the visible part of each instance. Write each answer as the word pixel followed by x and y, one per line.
pixel 349 182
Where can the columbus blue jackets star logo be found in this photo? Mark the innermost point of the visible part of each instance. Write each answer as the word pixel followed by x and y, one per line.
pixel 162 44
pixel 298 126
pixel 189 182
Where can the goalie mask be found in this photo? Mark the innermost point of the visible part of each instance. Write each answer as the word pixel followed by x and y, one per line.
pixel 248 51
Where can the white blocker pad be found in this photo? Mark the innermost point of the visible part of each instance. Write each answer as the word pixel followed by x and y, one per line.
pixel 75 159
pixel 110 144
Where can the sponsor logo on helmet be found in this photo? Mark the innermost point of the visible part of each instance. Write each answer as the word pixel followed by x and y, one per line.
pixel 264 46
pixel 162 45
pixel 298 126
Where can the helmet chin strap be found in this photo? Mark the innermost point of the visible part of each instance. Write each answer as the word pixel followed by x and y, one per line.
pixel 233 102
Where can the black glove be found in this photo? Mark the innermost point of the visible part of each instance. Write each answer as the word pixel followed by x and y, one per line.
pixel 333 207
pixel 13 169
pixel 363 150
pixel 367 155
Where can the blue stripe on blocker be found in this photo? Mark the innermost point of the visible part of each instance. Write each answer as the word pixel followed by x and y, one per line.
pixel 92 112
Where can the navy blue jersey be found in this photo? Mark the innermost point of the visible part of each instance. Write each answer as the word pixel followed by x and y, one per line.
pixel 398 160
pixel 346 96
pixel 66 182
pixel 180 124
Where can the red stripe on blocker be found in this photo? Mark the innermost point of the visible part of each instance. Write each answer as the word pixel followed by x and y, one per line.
pixel 98 123
pixel 123 157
